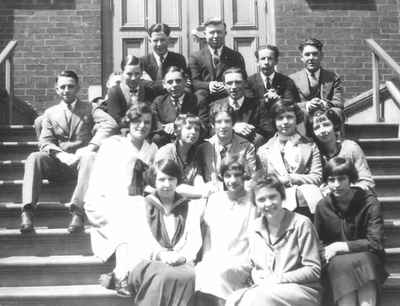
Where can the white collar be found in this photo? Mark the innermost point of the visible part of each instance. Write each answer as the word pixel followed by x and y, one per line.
pixel 219 50
pixel 73 104
pixel 316 73
pixel 270 77
pixel 239 102
pixel 180 99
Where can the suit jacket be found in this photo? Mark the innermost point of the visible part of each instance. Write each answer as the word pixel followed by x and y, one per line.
pixel 209 161
pixel 58 134
pixel 203 71
pixel 309 168
pixel 150 65
pixel 165 111
pixel 252 112
pixel 330 88
pixel 283 85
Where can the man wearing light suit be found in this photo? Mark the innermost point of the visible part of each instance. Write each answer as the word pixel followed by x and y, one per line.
pixel 67 150
pixel 207 65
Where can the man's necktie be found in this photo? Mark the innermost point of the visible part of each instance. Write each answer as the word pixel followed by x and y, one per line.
pixel 313 80
pixel 68 114
pixel 160 68
pixel 223 152
pixel 215 58
pixel 175 102
pixel 268 85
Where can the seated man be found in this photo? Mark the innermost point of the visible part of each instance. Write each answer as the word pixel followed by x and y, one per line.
pixel 177 101
pixel 208 64
pixel 252 120
pixel 66 150
pixel 268 84
pixel 225 142
pixel 156 63
pixel 318 88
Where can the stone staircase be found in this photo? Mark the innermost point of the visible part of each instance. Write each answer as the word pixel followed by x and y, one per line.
pixel 52 267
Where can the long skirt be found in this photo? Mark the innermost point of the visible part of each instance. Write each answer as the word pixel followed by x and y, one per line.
pixel 155 283
pixel 280 295
pixel 349 272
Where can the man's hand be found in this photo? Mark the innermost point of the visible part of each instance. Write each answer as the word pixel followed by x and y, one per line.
pixel 216 87
pixel 67 158
pixel 243 128
pixel 271 95
pixel 169 128
pixel 316 103
pixel 86 150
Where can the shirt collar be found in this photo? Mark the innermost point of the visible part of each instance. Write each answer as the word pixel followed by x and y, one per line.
pixel 264 77
pixel 316 73
pixel 239 102
pixel 219 50
pixel 157 57
pixel 73 104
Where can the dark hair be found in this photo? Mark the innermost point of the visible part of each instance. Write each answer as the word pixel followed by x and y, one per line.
pixel 269 47
pixel 68 74
pixel 340 166
pixel 174 69
pixel 231 162
pixel 159 28
pixel 183 119
pixel 217 108
pixel 135 112
pixel 269 181
pixel 214 21
pixel 167 166
pixel 311 42
pixel 131 60
pixel 330 114
pixel 282 106
pixel 232 70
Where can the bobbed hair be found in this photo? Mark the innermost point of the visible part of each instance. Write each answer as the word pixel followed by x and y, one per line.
pixel 167 166
pixel 183 119
pixel 340 166
pixel 136 111
pixel 269 181
pixel 282 106
pixel 217 108
pixel 322 115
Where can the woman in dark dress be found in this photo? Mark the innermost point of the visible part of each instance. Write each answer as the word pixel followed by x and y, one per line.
pixel 350 226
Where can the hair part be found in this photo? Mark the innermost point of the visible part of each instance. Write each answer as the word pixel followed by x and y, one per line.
pixel 159 28
pixel 68 74
pixel 340 166
pixel 267 47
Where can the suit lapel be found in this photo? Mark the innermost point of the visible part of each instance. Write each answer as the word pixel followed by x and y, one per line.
pixel 260 85
pixel 304 85
pixel 222 60
pixel 75 118
pixel 207 55
pixel 61 119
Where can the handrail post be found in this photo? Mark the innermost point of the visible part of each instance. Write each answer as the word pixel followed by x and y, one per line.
pixel 375 87
pixel 10 87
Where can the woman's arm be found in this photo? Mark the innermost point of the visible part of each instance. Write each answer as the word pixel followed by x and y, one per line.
pixel 365 180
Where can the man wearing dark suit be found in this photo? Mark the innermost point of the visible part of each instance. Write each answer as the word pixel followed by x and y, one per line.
pixel 67 150
pixel 156 63
pixel 250 115
pixel 318 88
pixel 167 107
pixel 268 84
pixel 208 64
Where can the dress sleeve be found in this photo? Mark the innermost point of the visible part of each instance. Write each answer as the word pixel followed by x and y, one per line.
pixel 365 180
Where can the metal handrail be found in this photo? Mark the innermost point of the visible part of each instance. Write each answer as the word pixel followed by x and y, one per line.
pixel 378 53
pixel 7 50
pixel 6 56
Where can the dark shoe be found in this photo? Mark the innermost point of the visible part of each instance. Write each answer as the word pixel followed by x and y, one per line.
pixel 109 281
pixel 122 288
pixel 26 222
pixel 76 225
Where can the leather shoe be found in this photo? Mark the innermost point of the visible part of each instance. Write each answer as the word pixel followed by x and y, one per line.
pixel 76 225
pixel 26 222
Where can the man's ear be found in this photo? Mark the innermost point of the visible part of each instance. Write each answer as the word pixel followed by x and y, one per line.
pixel 164 85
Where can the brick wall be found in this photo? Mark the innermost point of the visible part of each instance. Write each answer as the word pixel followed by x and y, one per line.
pixel 52 35
pixel 343 26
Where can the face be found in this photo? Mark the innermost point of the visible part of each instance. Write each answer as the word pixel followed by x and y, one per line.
pixel 159 42
pixel 268 201
pixel 223 125
pixel 140 128
pixel 323 129
pixel 174 83
pixel 233 181
pixel 286 123
pixel 165 184
pixel 267 61
pixel 131 75
pixel 215 35
pixel 67 89
pixel 311 57
pixel 234 85
pixel 190 133
pixel 339 185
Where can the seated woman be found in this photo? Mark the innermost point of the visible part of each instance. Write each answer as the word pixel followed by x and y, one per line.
pixel 350 226
pixel 117 173
pixel 227 217
pixel 293 158
pixel 325 128
pixel 284 253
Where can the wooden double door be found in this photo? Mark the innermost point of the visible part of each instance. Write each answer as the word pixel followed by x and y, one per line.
pixel 250 23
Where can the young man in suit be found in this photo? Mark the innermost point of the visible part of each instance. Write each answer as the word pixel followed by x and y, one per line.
pixel 252 120
pixel 156 63
pixel 208 64
pixel 67 150
pixel 268 84
pixel 177 101
pixel 318 88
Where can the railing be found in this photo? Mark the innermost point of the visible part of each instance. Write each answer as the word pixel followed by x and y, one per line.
pixel 379 54
pixel 6 57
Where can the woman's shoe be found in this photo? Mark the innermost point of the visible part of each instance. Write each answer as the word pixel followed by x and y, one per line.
pixel 122 287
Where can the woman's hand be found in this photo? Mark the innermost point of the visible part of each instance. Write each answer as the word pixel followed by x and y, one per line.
pixel 333 249
pixel 262 277
pixel 171 258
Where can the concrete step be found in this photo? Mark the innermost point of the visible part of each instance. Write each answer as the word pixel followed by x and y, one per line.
pixel 11 191
pixel 11 169
pixel 371 130
pixel 384 165
pixel 77 295
pixel 391 207
pixel 392 233
pixel 391 291
pixel 51 215
pixel 380 146
pixel 387 185
pixel 17 133
pixel 44 242
pixel 51 270
pixel 393 260
pixel 17 150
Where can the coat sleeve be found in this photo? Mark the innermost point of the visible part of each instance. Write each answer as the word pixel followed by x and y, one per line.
pixel 336 96
pixel 48 142
pixel 195 72
pixel 365 180
pixel 104 126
